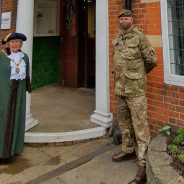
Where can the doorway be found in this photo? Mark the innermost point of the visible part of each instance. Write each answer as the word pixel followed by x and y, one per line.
pixel 102 115
pixel 70 36
pixel 78 51
pixel 86 43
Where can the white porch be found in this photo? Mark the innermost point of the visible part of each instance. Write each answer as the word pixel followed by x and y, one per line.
pixel 102 115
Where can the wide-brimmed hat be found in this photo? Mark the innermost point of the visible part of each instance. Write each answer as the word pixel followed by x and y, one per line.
pixel 12 36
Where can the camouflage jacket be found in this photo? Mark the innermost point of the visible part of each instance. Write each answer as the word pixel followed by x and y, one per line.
pixel 133 57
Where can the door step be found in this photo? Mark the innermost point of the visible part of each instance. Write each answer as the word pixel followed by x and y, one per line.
pixel 62 137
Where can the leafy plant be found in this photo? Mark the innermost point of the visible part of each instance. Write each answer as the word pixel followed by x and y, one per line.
pixel 173 149
pixel 166 130
pixel 179 139
pixel 181 158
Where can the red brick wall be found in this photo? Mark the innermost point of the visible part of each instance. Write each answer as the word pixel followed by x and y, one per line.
pixel 9 6
pixel 165 102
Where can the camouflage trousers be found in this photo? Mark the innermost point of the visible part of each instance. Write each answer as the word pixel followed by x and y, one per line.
pixel 132 120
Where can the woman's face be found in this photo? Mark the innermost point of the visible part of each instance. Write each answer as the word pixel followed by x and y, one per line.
pixel 15 45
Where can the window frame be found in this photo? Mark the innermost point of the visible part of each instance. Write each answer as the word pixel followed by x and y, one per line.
pixel 168 77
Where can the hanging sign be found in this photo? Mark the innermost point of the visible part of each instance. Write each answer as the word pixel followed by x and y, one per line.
pixel 6 20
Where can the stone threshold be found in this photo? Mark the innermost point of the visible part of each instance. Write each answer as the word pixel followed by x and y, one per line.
pixel 62 137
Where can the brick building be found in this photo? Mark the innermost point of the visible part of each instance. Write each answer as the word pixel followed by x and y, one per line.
pixel 165 85
pixel 161 22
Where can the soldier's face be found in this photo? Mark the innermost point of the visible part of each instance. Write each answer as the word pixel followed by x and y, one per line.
pixel 125 22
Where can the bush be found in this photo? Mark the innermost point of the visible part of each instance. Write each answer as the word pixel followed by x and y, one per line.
pixel 181 158
pixel 173 149
pixel 179 139
pixel 176 146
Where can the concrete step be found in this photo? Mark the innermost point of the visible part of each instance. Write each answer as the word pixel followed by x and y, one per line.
pixel 61 137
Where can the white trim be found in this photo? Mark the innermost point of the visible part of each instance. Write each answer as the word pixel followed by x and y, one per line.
pixel 168 77
pixel 102 115
pixel 59 137
pixel 24 24
pixel 30 120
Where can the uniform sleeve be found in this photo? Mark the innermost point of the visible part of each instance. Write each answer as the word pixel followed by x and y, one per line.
pixel 148 53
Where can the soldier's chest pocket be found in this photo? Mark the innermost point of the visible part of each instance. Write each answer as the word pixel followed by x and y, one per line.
pixel 133 51
pixel 119 47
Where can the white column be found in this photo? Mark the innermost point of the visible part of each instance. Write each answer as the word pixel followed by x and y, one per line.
pixel 24 24
pixel 102 115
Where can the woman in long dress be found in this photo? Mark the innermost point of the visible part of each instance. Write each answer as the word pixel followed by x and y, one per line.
pixel 14 82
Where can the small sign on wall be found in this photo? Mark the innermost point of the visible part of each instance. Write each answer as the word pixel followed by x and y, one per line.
pixel 6 20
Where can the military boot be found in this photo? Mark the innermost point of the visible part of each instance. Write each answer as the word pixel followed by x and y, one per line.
pixel 140 177
pixel 121 156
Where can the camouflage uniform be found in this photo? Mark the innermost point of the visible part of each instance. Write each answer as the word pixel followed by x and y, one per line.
pixel 133 57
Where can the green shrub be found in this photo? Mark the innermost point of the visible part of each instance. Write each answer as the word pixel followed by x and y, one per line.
pixel 177 141
pixel 166 130
pixel 181 158
pixel 173 149
pixel 179 136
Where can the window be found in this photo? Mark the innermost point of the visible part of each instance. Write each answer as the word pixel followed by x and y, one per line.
pixel 173 41
pixel 46 18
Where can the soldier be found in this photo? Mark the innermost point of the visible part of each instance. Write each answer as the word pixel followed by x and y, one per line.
pixel 133 58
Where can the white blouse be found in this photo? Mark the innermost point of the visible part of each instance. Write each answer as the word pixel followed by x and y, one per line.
pixel 18 66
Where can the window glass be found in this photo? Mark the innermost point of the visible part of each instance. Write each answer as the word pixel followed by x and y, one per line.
pixel 176 36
